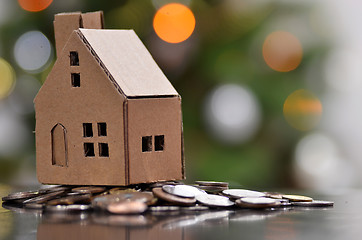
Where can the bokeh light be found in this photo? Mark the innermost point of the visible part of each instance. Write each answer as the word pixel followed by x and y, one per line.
pixel 160 3
pixel 302 110
pixel 232 113
pixel 282 51
pixel 32 51
pixel 34 5
pixel 14 133
pixel 174 23
pixel 7 78
pixel 317 160
pixel 21 99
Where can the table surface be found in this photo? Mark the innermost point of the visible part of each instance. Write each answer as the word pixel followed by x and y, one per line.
pixel 343 221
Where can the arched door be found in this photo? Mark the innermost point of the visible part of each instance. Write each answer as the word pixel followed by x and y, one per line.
pixel 59 145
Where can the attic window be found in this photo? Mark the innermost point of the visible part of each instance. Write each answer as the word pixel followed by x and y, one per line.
pixel 147 144
pixel 89 149
pixel 75 79
pixel 102 129
pixel 87 130
pixel 159 142
pixel 103 150
pixel 74 59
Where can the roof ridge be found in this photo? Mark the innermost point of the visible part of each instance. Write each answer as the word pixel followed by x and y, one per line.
pixel 101 64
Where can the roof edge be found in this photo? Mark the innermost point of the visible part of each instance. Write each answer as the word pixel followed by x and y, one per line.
pixel 101 64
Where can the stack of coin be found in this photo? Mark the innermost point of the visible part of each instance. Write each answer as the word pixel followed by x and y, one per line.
pixel 212 186
pixel 170 196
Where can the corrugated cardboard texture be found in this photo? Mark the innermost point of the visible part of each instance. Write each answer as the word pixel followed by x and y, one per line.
pixel 96 100
pixel 93 20
pixel 129 62
pixel 154 117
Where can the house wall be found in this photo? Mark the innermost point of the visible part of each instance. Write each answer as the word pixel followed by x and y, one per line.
pixel 96 100
pixel 154 139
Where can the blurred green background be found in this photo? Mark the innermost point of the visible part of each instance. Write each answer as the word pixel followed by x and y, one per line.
pixel 238 126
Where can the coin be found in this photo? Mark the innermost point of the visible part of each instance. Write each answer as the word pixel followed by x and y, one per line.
pixel 314 203
pixel 43 198
pixel 160 184
pixel 159 193
pixel 67 208
pixel 55 189
pixel 68 200
pixel 34 206
pixel 20 195
pixel 194 208
pixel 240 193
pixel 212 189
pixel 212 200
pixel 87 189
pixel 164 208
pixel 212 183
pixel 183 190
pixel 102 202
pixel 274 195
pixel 121 190
pixel 127 207
pixel 252 202
pixel 298 198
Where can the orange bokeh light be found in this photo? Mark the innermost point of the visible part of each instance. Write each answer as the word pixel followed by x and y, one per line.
pixel 174 23
pixel 302 110
pixel 34 5
pixel 282 51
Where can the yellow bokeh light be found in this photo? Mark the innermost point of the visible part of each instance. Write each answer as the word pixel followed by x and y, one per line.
pixel 302 110
pixel 282 51
pixel 34 5
pixel 7 78
pixel 174 23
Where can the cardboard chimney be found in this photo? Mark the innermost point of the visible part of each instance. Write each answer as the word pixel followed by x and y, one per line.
pixel 106 114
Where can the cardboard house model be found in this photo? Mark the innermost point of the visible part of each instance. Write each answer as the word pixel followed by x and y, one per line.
pixel 106 114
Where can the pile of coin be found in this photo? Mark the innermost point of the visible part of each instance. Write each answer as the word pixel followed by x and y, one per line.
pixel 155 197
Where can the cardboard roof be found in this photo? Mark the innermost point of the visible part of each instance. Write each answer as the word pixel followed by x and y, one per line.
pixel 129 62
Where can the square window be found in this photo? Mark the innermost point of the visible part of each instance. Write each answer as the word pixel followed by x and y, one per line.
pixel 159 142
pixel 74 59
pixel 147 144
pixel 102 129
pixel 103 150
pixel 75 79
pixel 89 149
pixel 87 130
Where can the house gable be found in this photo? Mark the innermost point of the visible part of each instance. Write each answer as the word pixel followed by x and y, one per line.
pixel 96 102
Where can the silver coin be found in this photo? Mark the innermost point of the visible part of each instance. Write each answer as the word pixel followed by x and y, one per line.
pixel 183 190
pixel 67 208
pixel 176 200
pixel 164 208
pixel 314 203
pixel 241 193
pixel 21 195
pixel 212 183
pixel 89 189
pixel 212 200
pixel 56 188
pixel 44 198
pixel 34 206
pixel 194 208
pixel 253 202
pixel 212 189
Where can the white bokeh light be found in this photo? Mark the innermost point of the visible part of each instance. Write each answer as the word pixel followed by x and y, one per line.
pixel 319 165
pixel 343 70
pixel 232 113
pixel 32 51
pixel 14 133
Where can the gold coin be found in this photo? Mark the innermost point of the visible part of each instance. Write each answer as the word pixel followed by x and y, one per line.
pixel 297 198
